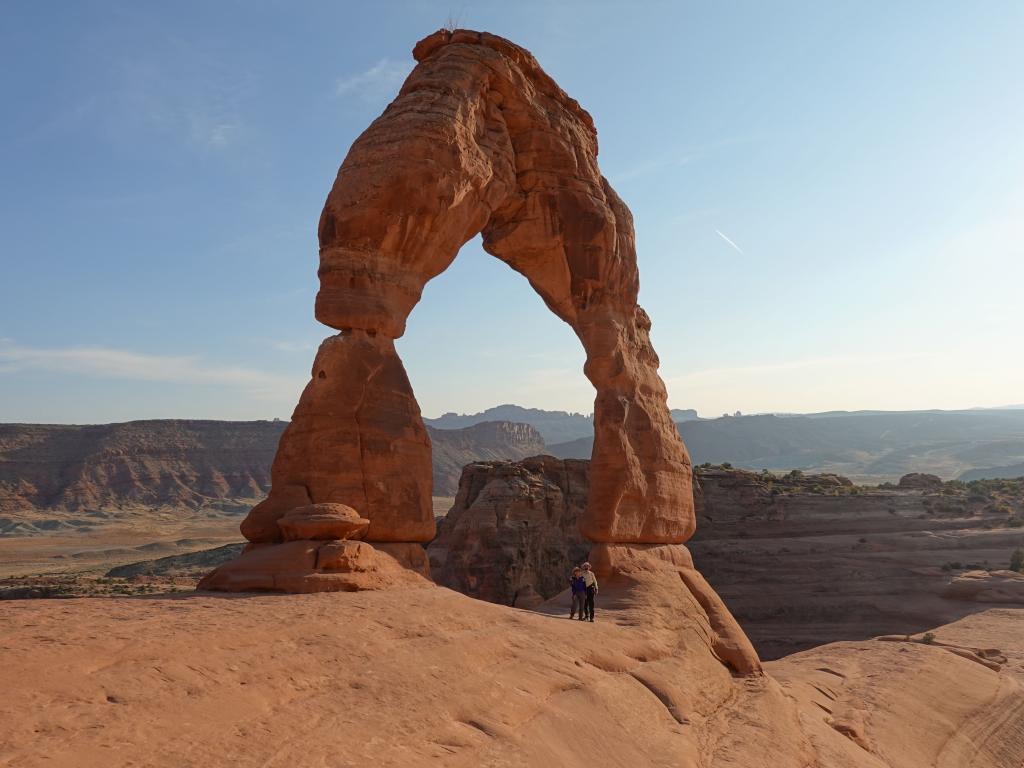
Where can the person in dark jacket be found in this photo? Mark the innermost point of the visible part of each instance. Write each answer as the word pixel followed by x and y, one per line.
pixel 579 593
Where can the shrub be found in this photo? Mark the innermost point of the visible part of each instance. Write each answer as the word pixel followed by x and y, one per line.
pixel 1017 560
pixel 929 638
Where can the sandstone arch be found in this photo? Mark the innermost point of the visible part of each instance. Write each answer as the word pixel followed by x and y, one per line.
pixel 479 140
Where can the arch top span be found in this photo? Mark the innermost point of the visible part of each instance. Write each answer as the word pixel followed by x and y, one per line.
pixel 480 140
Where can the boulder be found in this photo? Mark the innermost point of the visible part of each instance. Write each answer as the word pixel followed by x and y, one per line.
pixel 513 532
pixel 322 521
pixel 920 481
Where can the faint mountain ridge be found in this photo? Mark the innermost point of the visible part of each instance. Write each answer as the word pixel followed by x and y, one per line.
pixel 554 426
pixel 869 446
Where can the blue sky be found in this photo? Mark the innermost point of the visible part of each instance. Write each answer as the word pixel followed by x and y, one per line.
pixel 829 201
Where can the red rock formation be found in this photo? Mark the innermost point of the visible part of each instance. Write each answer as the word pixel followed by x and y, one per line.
pixel 479 140
pixel 322 522
pixel 512 535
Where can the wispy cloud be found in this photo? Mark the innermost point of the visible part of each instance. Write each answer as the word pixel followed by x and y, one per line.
pixel 380 80
pixel 110 363
pixel 730 242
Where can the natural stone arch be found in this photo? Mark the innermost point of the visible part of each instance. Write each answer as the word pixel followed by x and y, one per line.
pixel 479 140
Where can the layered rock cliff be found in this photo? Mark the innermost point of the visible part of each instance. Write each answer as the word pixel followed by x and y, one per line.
pixel 191 464
pixel 455 448
pixel 157 463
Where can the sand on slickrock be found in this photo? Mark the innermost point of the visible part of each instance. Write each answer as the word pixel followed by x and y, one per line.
pixel 430 677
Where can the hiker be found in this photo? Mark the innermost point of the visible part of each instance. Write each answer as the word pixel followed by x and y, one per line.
pixel 590 580
pixel 579 593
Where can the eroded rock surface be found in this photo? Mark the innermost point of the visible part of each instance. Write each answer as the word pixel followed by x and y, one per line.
pixel 513 535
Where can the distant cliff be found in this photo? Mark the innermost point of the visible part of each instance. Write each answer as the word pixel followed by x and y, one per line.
pixel 455 448
pixel 137 463
pixel 191 463
pixel 553 426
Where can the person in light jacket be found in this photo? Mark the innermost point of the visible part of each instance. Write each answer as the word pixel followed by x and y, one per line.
pixel 590 582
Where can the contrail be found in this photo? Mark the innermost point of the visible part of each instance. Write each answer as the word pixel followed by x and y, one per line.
pixel 730 242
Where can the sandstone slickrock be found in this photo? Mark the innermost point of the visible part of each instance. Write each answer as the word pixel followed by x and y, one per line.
pixel 428 677
pixel 479 141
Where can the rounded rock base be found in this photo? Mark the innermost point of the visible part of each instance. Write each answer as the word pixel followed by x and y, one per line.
pixel 322 566
pixel 637 563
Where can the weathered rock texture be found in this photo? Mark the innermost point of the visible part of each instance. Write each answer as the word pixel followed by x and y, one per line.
pixel 479 141
pixel 801 560
pixel 513 534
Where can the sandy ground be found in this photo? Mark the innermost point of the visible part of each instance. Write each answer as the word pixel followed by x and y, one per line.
pixel 125 538
pixel 426 676
pixel 110 545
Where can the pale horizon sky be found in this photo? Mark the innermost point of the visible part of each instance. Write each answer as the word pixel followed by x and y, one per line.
pixel 829 203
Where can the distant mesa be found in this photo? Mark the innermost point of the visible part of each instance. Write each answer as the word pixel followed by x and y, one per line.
pixel 920 481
